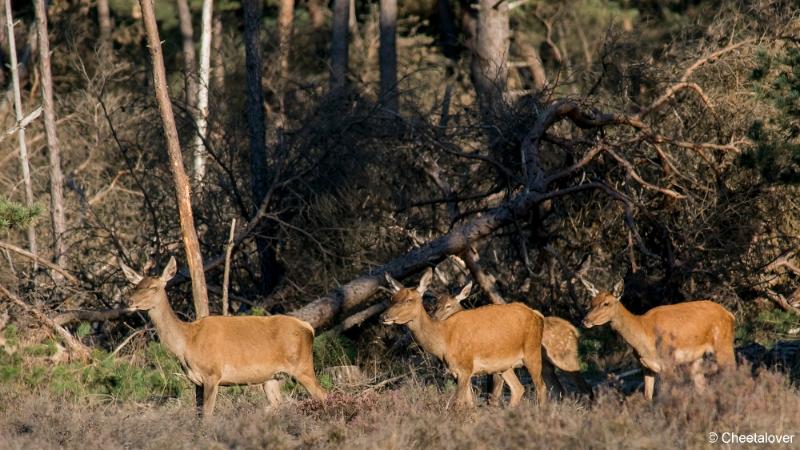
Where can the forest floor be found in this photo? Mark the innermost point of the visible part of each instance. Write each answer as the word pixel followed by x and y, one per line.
pixel 408 414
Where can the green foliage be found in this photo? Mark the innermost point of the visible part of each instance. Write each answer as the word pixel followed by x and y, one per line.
pixel 15 215
pixel 776 153
pixel 106 375
pixel 84 329
pixel 333 349
pixel 258 311
pixel 767 327
pixel 11 335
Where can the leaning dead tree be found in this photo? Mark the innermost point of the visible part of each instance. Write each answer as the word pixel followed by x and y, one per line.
pixel 182 189
pixel 539 186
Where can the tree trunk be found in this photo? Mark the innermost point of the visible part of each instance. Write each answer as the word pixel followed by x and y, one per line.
pixel 323 310
pixel 3 43
pixel 339 57
pixel 202 95
pixel 219 62
pixel 190 66
pixel 285 23
pixel 104 20
pixel 257 132
pixel 20 115
pixel 531 57
pixel 388 55
pixel 53 148
pixel 182 189
pixel 448 36
pixel 489 67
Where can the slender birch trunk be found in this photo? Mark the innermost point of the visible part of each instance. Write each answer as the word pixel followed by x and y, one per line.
pixel 202 94
pixel 20 115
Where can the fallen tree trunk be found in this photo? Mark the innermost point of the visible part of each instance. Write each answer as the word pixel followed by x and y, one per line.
pixel 322 311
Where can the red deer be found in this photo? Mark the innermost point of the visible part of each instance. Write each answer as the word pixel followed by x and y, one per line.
pixel 491 339
pixel 668 336
pixel 226 350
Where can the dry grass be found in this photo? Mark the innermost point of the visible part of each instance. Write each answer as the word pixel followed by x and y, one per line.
pixel 411 416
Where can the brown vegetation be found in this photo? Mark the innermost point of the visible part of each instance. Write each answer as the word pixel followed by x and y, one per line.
pixel 413 415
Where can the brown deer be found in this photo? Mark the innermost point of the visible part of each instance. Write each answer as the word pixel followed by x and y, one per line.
pixel 491 339
pixel 226 350
pixel 668 336
pixel 559 341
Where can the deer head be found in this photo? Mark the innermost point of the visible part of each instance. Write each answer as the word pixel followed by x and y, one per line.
pixel 447 305
pixel 603 307
pixel 406 302
pixel 150 291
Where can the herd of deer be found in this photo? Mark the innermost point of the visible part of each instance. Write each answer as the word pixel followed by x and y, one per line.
pixel 493 339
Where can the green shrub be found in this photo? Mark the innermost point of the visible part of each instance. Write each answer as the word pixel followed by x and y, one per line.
pixel 333 349
pixel 15 215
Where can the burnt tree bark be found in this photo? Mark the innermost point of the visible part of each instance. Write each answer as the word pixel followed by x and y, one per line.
pixel 256 128
pixel 182 188
pixel 339 43
pixel 489 66
pixel 388 55
pixel 448 33
pixel 53 148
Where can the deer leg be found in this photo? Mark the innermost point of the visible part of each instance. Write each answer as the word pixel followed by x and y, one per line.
pixel 210 389
pixel 516 387
pixel 551 379
pixel 533 362
pixel 649 384
pixel 309 381
pixel 497 389
pixel 464 391
pixel 272 389
pixel 581 383
pixel 698 376
pixel 198 398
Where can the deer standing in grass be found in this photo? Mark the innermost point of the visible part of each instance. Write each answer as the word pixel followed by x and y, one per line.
pixel 491 339
pixel 559 342
pixel 668 336
pixel 226 350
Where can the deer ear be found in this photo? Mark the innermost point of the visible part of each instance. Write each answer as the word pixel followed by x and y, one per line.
pixel 394 285
pixel 170 270
pixel 425 281
pixel 133 277
pixel 618 288
pixel 464 292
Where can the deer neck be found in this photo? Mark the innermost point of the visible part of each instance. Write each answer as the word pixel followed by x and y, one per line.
pixel 429 334
pixel 632 329
pixel 171 331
